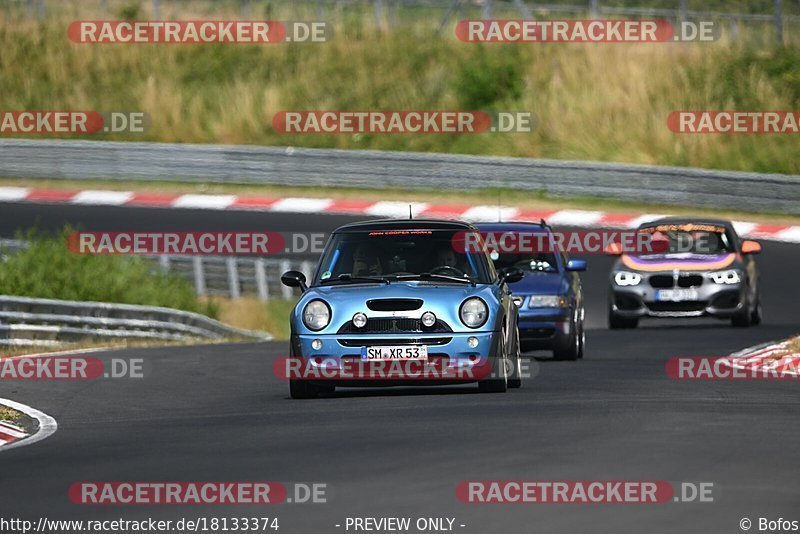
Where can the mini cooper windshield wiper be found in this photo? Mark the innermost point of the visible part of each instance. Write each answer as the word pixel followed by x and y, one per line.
pixel 350 278
pixel 433 276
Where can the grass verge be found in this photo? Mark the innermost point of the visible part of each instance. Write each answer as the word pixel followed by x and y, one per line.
pixel 251 314
pixel 48 269
pixel 9 414
pixel 604 102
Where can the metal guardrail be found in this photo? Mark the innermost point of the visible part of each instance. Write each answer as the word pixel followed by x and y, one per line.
pixel 123 162
pixel 218 276
pixel 30 321
pixel 234 277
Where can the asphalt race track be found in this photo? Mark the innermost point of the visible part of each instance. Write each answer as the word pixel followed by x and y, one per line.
pixel 217 413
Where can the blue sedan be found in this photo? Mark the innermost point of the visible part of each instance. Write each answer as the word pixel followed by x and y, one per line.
pixel 549 296
pixel 404 292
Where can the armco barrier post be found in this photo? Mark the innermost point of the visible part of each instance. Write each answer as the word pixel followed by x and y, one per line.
pixel 260 267
pixel 199 276
pixel 234 289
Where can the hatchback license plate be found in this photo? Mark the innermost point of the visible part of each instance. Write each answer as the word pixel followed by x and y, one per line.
pixel 402 353
pixel 677 295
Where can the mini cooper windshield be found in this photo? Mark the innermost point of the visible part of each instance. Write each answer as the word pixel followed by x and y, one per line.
pixel 402 255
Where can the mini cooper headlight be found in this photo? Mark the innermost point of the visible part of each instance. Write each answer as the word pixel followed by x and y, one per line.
pixel 547 301
pixel 474 312
pixel 726 277
pixel 316 315
pixel 626 278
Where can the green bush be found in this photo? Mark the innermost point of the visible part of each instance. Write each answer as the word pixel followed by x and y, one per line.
pixel 47 269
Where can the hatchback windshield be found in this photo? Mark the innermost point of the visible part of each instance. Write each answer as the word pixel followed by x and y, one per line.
pixel 689 239
pixel 391 255
pixel 540 262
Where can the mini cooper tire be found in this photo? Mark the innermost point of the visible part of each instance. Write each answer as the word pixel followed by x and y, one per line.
pixel 515 380
pixel 498 382
pixel 301 389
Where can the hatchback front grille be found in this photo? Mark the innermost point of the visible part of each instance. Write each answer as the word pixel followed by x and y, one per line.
pixel 394 304
pixel 664 281
pixel 685 306
pixel 360 342
pixel 394 325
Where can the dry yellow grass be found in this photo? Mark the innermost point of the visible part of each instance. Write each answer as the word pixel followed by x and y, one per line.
pixel 8 414
pixel 605 102
pixel 252 314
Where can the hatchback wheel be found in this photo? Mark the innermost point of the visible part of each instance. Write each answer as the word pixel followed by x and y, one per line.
pixel 498 382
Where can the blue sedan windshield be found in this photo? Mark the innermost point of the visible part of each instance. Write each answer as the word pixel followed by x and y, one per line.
pixel 403 254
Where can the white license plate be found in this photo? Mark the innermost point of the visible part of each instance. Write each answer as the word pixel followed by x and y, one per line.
pixel 402 353
pixel 677 295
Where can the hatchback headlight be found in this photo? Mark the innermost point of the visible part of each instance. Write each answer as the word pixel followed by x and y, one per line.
pixel 474 312
pixel 547 301
pixel 626 278
pixel 316 315
pixel 726 277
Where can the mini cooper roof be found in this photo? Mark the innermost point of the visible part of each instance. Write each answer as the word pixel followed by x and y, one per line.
pixel 521 226
pixel 400 224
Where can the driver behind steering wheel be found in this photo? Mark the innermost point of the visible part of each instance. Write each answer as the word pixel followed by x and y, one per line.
pixel 447 262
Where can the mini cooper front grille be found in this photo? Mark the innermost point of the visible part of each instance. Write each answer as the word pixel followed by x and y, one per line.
pixel 394 325
pixel 430 341
pixel 394 304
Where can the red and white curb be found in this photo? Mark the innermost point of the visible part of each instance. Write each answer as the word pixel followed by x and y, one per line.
pixel 12 436
pixel 9 433
pixel 773 357
pixel 388 209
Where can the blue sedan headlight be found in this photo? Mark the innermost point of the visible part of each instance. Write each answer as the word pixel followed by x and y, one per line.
pixel 474 312
pixel 316 315
pixel 547 301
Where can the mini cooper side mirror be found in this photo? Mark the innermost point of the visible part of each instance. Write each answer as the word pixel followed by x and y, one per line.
pixel 294 279
pixel 576 265
pixel 509 275
pixel 751 247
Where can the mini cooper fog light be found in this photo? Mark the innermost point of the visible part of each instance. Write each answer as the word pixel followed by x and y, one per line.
pixel 316 344
pixel 359 320
pixel 472 342
pixel 428 319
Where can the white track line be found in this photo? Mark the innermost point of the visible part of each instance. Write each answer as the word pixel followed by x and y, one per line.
pixel 47 425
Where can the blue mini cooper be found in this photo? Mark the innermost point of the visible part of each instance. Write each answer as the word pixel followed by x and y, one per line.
pixel 407 292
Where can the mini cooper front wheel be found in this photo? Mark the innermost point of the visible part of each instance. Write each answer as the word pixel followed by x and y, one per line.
pixel 498 380
pixel 302 389
pixel 515 377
